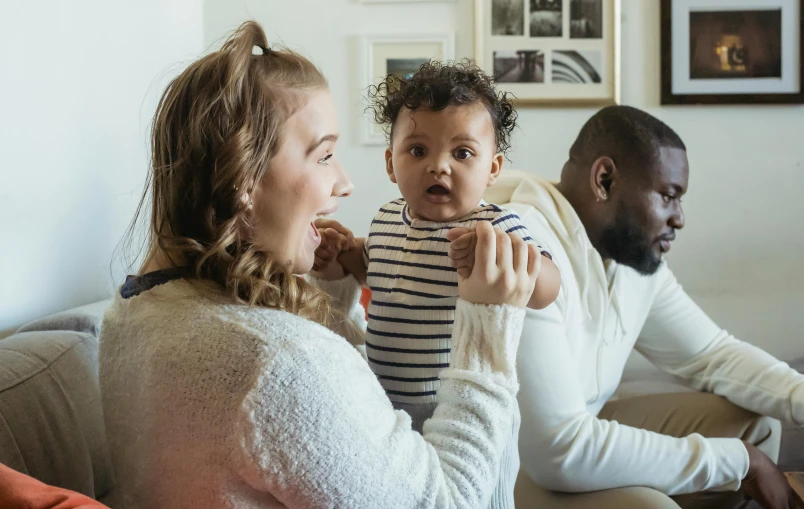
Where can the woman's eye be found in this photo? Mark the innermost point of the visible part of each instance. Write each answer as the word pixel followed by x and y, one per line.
pixel 417 151
pixel 462 153
pixel 326 159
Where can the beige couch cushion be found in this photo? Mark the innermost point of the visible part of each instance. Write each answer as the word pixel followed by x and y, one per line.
pixel 51 425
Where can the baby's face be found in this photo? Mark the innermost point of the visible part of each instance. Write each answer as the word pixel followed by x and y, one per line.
pixel 443 160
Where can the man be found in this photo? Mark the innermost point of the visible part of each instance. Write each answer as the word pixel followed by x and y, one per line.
pixel 607 224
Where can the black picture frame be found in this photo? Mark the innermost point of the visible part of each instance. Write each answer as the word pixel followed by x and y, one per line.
pixel 669 98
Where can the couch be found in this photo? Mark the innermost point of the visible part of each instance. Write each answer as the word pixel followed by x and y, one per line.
pixel 51 425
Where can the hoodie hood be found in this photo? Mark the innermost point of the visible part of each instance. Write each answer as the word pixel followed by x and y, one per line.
pixel 517 187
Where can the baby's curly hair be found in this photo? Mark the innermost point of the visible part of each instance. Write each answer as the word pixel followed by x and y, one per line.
pixel 437 85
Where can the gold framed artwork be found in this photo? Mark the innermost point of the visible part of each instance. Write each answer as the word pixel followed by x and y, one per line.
pixel 551 52
pixel 401 55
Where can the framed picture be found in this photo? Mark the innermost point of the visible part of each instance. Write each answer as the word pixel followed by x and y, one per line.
pixel 732 51
pixel 551 52
pixel 401 1
pixel 401 55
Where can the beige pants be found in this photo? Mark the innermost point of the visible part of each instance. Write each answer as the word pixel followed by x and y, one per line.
pixel 676 415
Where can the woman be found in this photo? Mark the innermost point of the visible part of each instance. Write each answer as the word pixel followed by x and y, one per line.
pixel 223 381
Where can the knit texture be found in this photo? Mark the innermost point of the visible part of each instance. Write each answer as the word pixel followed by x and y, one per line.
pixel 213 404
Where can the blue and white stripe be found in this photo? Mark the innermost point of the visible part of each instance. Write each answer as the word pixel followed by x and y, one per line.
pixel 414 292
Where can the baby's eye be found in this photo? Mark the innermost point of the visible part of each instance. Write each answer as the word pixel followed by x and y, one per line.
pixel 462 154
pixel 417 151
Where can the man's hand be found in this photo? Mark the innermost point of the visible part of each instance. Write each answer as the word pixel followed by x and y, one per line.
pixel 335 238
pixel 765 483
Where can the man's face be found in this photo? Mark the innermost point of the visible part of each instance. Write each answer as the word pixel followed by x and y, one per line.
pixel 648 213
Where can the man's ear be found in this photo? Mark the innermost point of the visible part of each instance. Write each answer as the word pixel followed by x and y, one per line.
pixel 602 177
pixel 389 165
pixel 496 168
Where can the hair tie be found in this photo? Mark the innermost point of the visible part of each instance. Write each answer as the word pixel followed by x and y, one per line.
pixel 264 49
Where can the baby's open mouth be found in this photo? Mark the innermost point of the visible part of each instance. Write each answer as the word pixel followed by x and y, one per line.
pixel 437 189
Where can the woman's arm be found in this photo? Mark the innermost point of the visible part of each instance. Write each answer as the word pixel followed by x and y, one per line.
pixel 349 319
pixel 317 430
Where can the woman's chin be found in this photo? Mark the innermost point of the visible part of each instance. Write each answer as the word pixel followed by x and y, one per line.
pixel 303 264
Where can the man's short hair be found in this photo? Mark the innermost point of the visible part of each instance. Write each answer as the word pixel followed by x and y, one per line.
pixel 629 136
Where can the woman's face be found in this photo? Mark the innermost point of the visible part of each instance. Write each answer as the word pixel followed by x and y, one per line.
pixel 303 181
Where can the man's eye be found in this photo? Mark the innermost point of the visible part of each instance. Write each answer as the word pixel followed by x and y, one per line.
pixel 668 197
pixel 462 153
pixel 417 151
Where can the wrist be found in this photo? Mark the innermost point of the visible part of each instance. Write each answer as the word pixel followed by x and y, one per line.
pixel 752 460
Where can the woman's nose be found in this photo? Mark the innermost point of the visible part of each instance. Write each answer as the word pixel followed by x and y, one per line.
pixel 343 184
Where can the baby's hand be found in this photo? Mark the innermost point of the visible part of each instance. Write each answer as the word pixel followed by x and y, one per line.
pixel 462 249
pixel 335 238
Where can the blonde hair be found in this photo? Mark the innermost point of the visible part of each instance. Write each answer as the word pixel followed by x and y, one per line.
pixel 217 126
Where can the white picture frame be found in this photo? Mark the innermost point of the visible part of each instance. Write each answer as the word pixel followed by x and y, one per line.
pixel 388 54
pixel 551 55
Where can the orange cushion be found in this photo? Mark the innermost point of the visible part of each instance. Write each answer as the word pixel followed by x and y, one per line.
pixel 19 491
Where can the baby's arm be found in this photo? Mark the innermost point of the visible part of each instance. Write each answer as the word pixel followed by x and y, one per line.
pixel 548 283
pixel 355 261
pixel 461 255
pixel 339 248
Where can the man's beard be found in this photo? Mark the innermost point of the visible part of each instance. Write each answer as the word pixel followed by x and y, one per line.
pixel 628 245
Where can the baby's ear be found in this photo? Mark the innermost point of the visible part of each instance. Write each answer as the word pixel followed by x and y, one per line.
pixel 389 165
pixel 496 168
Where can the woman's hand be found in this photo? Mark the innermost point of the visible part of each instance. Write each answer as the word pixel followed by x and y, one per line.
pixel 504 269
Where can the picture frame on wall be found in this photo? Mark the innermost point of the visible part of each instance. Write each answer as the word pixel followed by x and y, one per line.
pixel 404 1
pixel 402 55
pixel 732 51
pixel 551 52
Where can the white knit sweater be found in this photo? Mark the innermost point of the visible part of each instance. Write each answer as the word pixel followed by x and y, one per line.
pixel 210 404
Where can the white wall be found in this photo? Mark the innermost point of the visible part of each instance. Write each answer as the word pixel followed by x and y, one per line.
pixel 79 80
pixel 738 256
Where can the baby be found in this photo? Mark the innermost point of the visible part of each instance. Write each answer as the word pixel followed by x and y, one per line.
pixel 448 131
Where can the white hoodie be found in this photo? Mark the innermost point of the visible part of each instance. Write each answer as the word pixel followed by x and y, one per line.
pixel 572 356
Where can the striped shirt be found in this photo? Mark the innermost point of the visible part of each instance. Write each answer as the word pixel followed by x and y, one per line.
pixel 414 291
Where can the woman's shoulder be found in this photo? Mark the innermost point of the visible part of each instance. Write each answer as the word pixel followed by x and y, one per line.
pixel 185 311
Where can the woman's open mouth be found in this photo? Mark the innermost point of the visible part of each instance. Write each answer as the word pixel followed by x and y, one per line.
pixel 314 234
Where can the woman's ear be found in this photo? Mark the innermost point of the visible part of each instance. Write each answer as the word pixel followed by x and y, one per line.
pixel 389 165
pixel 496 168
pixel 602 176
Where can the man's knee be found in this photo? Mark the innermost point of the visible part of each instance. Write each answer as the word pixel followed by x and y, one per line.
pixel 641 496
pixel 530 496
pixel 766 434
